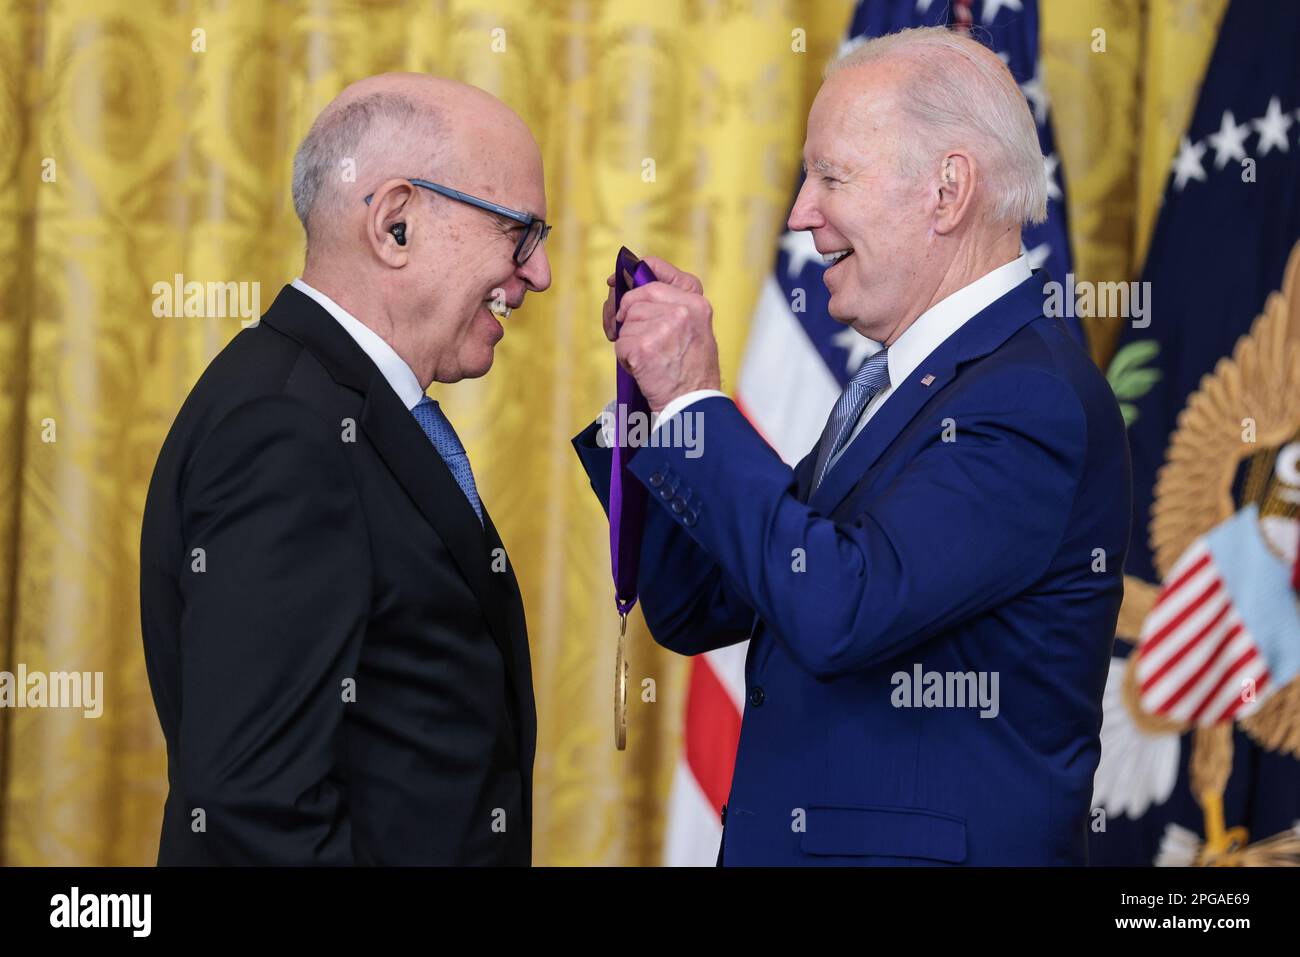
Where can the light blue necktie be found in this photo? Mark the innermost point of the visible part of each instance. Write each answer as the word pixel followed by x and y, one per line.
pixel 438 428
pixel 872 378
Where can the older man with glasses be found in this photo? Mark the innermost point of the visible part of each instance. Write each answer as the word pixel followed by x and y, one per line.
pixel 336 649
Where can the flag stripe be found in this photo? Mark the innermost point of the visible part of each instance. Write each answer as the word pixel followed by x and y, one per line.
pixel 1197 677
pixel 1245 657
pixel 1203 588
pixel 694 831
pixel 1207 632
pixel 712 732
pixel 1239 705
pixel 1200 659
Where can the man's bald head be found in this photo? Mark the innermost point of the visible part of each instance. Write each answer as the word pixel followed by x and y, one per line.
pixel 386 126
pixel 433 275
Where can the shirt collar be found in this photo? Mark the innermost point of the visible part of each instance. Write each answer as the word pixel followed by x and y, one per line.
pixel 390 364
pixel 946 316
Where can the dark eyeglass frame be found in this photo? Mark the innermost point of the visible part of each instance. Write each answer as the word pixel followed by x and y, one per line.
pixel 536 229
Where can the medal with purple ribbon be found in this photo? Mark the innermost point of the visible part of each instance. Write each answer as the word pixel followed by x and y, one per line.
pixel 627 497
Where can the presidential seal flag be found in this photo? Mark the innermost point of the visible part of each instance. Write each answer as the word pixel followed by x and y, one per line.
pixel 1201 736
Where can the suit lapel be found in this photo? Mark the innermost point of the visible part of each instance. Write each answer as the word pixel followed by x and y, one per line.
pixel 898 410
pixel 421 471
pixel 414 462
pixel 978 337
pixel 513 605
pixel 981 335
pixel 803 472
pixel 514 610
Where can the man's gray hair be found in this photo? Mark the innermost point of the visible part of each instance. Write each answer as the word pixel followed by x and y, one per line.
pixel 353 144
pixel 960 95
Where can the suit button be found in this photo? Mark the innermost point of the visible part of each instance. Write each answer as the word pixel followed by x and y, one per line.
pixel 689 519
pixel 757 696
pixel 665 493
pixel 657 479
pixel 679 505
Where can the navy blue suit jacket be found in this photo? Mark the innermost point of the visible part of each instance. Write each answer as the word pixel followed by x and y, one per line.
pixel 977 526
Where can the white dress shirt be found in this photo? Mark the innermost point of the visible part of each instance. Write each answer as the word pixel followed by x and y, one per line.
pixel 918 340
pixel 933 327
pixel 393 366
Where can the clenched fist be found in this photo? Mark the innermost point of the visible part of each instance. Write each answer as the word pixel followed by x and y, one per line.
pixel 666 341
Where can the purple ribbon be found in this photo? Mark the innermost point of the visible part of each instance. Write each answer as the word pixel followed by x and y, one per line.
pixel 627 497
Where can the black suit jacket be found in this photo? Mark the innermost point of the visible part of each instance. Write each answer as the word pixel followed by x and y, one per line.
pixel 336 646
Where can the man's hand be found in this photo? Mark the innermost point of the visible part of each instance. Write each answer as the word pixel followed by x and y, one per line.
pixel 666 342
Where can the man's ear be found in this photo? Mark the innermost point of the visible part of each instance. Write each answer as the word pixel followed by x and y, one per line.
pixel 958 176
pixel 391 205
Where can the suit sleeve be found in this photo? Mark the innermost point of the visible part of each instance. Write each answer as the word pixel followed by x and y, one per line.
pixel 966 525
pixel 689 606
pixel 272 627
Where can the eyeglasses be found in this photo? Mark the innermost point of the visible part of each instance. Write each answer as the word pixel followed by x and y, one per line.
pixel 535 231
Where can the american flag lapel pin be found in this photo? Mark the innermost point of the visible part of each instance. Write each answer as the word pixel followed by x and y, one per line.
pixel 927 380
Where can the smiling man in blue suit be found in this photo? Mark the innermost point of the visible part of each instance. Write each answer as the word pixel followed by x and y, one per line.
pixel 931 594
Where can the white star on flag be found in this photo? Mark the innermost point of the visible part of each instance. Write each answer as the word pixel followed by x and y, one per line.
pixel 1036 94
pixel 1038 255
pixel 801 249
pixel 1272 128
pixel 993 7
pixel 1050 163
pixel 1188 164
pixel 1230 142
pixel 859 347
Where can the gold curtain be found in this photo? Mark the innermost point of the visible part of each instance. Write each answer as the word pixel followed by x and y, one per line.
pixel 1123 77
pixel 141 139
pixel 146 139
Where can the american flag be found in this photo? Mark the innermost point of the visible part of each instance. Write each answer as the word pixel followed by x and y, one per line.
pixel 797 362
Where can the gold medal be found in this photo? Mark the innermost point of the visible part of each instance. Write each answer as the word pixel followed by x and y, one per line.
pixel 620 687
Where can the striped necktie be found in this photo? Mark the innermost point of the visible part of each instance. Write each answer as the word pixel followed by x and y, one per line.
pixel 871 379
